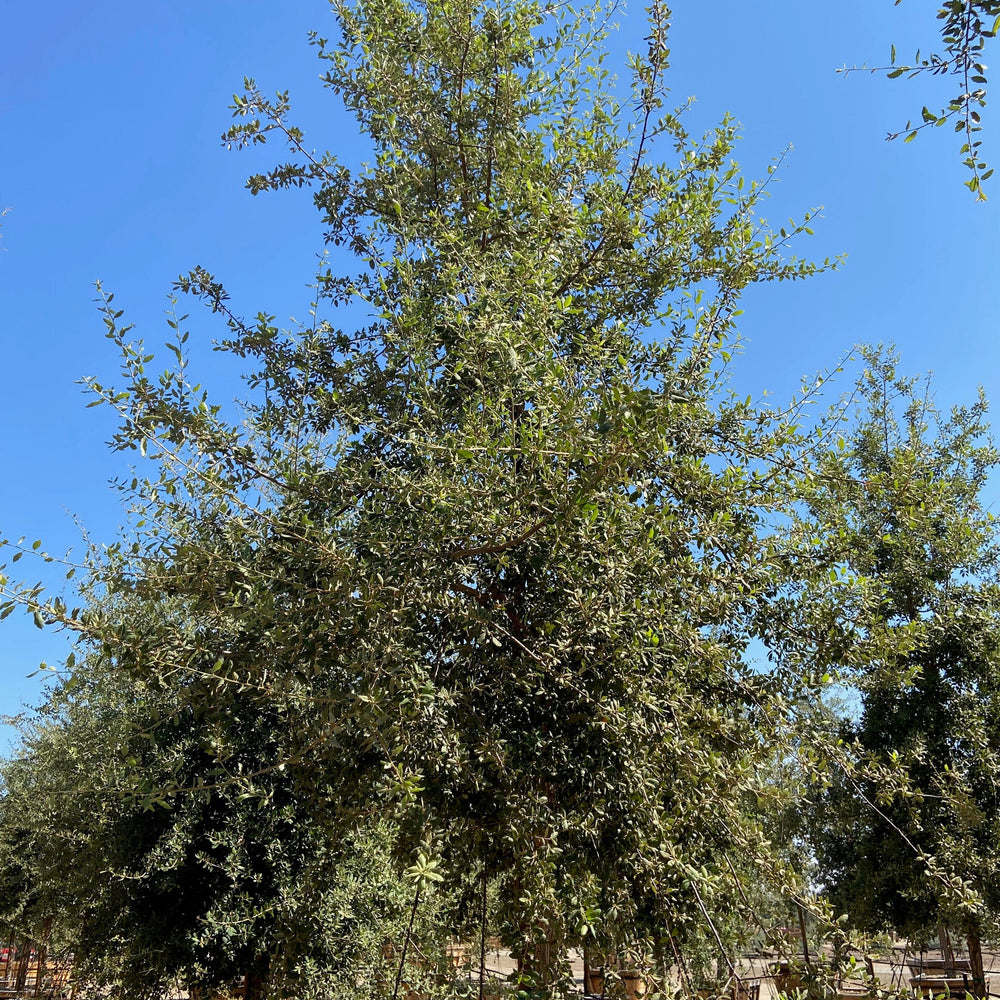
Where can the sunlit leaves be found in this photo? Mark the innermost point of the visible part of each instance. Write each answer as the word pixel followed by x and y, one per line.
pixel 965 30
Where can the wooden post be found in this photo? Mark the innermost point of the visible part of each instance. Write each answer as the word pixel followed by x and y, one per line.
pixel 947 952
pixel 8 960
pixel 902 966
pixel 802 930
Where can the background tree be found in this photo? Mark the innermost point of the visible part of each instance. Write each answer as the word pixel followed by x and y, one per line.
pixel 138 890
pixel 906 834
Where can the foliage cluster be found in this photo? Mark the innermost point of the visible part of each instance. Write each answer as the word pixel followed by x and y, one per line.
pixel 965 30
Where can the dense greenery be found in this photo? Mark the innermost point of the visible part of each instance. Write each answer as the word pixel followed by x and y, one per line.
pixel 449 631
pixel 900 504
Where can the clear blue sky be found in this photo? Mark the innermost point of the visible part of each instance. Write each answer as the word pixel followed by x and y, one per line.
pixel 112 169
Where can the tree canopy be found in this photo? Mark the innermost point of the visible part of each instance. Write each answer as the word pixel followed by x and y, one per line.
pixel 901 505
pixel 468 588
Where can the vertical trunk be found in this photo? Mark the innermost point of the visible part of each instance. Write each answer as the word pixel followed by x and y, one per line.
pixel 978 984
pixel 23 957
pixel 540 960
pixel 254 987
pixel 74 981
pixel 482 937
pixel 41 966
pixel 257 975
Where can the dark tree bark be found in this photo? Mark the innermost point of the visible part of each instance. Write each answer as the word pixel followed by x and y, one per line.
pixel 257 976
pixel 978 984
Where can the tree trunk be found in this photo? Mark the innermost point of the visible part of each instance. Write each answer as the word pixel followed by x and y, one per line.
pixel 978 984
pixel 257 976
pixel 23 957
pixel 42 957
pixel 541 960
